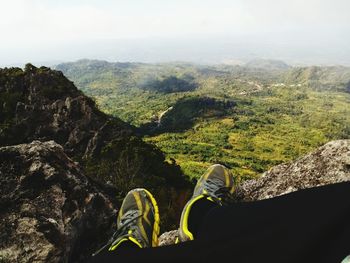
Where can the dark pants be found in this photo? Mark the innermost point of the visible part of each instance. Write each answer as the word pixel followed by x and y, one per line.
pixel 310 225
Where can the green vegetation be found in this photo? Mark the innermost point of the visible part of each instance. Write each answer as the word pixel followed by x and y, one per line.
pixel 184 113
pixel 273 116
pixel 269 130
pixel 320 78
pixel 170 84
pixel 348 87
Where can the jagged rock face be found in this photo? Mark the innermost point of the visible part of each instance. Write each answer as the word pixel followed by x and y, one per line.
pixel 49 211
pixel 327 165
pixel 47 106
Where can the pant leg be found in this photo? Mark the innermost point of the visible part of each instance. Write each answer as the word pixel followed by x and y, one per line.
pixel 310 225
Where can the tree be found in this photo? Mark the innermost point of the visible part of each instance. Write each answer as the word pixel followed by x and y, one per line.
pixel 348 87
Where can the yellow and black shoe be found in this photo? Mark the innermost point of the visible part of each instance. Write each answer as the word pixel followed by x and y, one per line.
pixel 137 222
pixel 214 187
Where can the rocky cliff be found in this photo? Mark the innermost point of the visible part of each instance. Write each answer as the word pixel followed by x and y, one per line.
pixel 42 104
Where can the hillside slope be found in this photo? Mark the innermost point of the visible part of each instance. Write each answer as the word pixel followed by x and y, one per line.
pixel 277 116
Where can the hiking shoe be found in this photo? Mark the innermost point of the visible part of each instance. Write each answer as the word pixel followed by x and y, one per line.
pixel 212 189
pixel 137 222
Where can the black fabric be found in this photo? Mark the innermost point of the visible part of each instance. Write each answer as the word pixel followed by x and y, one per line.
pixel 198 214
pixel 310 225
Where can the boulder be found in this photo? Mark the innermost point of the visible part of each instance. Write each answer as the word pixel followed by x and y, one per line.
pixel 328 164
pixel 49 210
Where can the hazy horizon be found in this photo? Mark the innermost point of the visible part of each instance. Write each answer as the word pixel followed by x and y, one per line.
pixel 206 32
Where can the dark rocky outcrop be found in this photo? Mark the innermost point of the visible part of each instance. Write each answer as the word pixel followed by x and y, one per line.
pixel 42 104
pixel 47 106
pixel 49 210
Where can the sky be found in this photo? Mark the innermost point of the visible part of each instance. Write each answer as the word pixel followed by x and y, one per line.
pixel 203 31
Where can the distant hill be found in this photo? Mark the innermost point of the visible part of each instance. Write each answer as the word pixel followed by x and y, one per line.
pixel 168 77
pixel 335 77
pixel 267 64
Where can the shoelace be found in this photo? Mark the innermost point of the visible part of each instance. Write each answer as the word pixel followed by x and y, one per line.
pixel 225 196
pixel 221 194
pixel 128 219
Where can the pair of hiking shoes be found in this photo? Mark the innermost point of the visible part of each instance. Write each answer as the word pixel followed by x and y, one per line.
pixel 138 218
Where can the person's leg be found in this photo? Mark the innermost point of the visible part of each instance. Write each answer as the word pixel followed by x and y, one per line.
pixel 137 223
pixel 306 226
pixel 214 186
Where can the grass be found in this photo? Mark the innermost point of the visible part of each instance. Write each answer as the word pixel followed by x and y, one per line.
pixel 276 130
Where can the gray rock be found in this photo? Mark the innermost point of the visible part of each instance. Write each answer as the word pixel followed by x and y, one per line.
pixel 168 238
pixel 49 211
pixel 328 164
